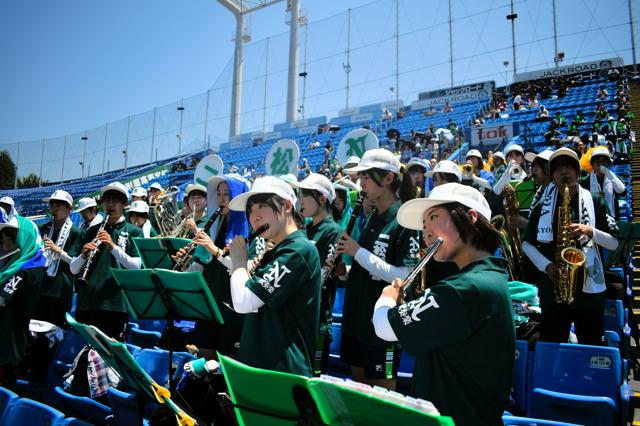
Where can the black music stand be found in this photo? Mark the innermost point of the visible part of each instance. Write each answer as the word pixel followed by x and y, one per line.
pixel 162 294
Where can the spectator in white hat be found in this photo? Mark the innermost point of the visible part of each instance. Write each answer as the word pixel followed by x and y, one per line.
pixel 384 250
pixel 282 295
pixel 445 171
pixel 59 236
pixel 603 181
pixel 139 216
pixel 8 205
pixel 100 301
pixel 154 191
pixel 88 209
pixel 461 330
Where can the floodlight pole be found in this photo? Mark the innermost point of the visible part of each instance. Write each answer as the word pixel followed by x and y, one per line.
pixel 347 67
pixel 450 43
pixel 294 53
pixel 397 55
pixel 512 17
pixel 64 153
pixel 633 37
pixel 556 59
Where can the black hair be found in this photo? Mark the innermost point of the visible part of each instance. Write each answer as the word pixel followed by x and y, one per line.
pixel 115 194
pixel 315 194
pixel 481 234
pixel 544 164
pixel 140 214
pixel 448 177
pixel 553 164
pixel 342 194
pixel 197 192
pixel 401 188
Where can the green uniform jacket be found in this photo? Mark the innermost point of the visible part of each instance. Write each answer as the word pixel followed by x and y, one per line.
pixel 604 222
pixel 281 335
pixel 15 316
pixel 398 246
pixel 324 236
pixel 102 293
pixel 462 335
pixel 60 286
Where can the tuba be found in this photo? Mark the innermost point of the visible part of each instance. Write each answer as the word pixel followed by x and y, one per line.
pixel 507 226
pixel 569 259
pixel 169 215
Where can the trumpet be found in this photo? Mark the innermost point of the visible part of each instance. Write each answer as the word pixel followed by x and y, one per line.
pixel 516 171
pixel 83 279
pixel 467 170
pixel 431 250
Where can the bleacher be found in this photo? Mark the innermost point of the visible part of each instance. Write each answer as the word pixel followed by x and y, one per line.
pixel 575 384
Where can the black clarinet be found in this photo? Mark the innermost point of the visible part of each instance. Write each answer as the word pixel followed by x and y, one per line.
pixel 333 266
pixel 250 238
pixel 191 247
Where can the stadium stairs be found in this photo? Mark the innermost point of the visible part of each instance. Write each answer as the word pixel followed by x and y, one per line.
pixel 635 176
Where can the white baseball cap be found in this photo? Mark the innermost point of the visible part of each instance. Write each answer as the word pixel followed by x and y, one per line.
pixel 289 178
pixel 85 203
pixel 194 187
pixel 7 200
pixel 514 147
pixel 60 195
pixel 474 153
pixel 410 213
pixel 377 159
pixel 320 183
pixel 600 151
pixel 7 220
pixel 139 191
pixel 264 185
pixel 156 185
pixel 354 159
pixel 500 155
pixel 418 162
pixel 446 166
pixel 564 152
pixel 544 155
pixel 115 186
pixel 139 206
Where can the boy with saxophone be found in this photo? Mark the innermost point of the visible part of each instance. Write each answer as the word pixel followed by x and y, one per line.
pixel 100 301
pixel 571 285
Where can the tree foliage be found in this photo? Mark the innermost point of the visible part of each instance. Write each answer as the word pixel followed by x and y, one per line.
pixel 7 170
pixel 29 181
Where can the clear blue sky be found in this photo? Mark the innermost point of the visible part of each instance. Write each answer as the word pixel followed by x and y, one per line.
pixel 77 64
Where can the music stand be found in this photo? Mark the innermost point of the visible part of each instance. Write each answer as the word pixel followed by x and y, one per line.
pixel 293 399
pixel 116 355
pixel 156 252
pixel 628 235
pixel 162 294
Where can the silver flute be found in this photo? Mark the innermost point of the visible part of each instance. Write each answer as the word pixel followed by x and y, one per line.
pixel 431 250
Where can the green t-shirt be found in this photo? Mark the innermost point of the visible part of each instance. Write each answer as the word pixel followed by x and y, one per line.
pixel 324 236
pixel 462 334
pixel 102 293
pixel 60 286
pixel 604 222
pixel 281 335
pixel 15 316
pixel 398 246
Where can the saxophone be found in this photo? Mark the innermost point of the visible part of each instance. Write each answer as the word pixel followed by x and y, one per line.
pixel 569 259
pixel 507 226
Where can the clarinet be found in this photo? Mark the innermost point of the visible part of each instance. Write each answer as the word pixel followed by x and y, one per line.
pixel 250 238
pixel 333 266
pixel 191 247
pixel 83 279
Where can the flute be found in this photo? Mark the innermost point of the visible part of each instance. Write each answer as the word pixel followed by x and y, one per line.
pixel 431 250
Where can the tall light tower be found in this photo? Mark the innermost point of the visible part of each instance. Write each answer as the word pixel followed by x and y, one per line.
pixel 239 8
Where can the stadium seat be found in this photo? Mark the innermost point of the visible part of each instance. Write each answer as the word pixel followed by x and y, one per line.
pixel 25 411
pixel 143 338
pixel 156 363
pixel 526 421
pixel 126 408
pixel 614 321
pixel 578 384
pixel 6 398
pixel 82 407
pixel 520 373
pixel 72 421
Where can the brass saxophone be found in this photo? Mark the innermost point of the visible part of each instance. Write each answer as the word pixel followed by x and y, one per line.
pixel 507 226
pixel 569 259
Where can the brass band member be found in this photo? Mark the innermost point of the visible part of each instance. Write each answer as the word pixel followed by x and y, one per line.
pixel 603 181
pixel 59 235
pixel 100 302
pixel 88 209
pixel 461 330
pixel 590 226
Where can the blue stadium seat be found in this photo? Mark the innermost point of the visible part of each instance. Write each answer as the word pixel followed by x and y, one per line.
pixel 126 408
pixel 527 421
pixel 7 397
pixel 617 331
pixel 337 305
pixel 143 338
pixel 25 411
pixel 578 384
pixel 82 407
pixel 72 421
pixel 156 363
